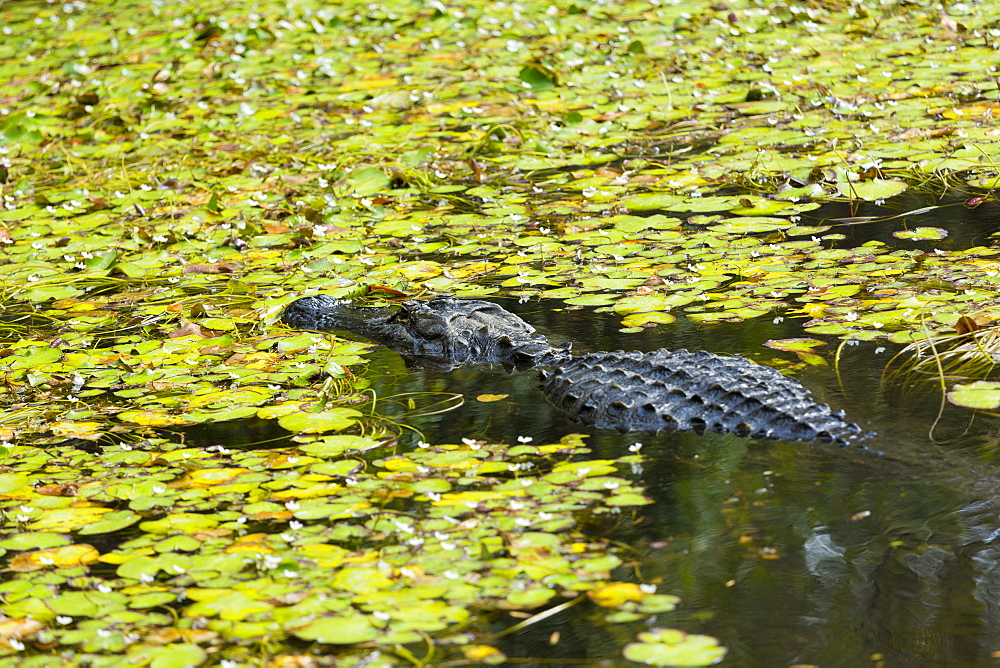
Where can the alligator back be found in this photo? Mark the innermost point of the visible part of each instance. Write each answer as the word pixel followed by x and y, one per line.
pixel 460 332
pixel 681 390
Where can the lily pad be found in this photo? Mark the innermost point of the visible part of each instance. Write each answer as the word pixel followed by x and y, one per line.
pixel 337 629
pixel 799 345
pixel 334 419
pixel 337 446
pixel 922 233
pixel 670 647
pixel 876 189
pixel 982 394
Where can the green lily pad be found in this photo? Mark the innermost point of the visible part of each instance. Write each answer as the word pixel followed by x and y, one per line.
pixel 982 394
pixel 591 300
pixel 750 225
pixel 333 419
pixel 49 292
pixel 872 190
pixel 11 482
pixel 113 521
pixel 174 655
pixel 34 540
pixel 641 303
pixel 922 233
pixel 670 647
pixel 336 446
pixel 799 345
pixel 180 523
pixel 337 629
pixel 654 317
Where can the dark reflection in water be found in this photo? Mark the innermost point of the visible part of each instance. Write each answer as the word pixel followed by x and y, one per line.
pixel 967 226
pixel 788 553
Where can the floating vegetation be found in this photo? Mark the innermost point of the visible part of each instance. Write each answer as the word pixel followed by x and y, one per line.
pixel 172 175
pixel 207 547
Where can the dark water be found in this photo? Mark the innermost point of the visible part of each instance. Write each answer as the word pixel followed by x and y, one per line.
pixel 788 553
pixel 967 220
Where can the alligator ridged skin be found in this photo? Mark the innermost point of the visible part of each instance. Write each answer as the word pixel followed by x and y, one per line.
pixel 628 391
pixel 698 391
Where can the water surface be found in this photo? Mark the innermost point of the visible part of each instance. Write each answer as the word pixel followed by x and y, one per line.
pixel 788 553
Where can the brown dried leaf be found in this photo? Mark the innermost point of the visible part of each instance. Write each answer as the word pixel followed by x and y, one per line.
pixel 187 329
pixel 965 325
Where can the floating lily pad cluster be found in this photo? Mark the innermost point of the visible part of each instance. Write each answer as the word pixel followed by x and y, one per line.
pixel 172 174
pixel 254 545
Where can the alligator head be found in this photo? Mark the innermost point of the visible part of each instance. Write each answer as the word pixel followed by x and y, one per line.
pixel 441 333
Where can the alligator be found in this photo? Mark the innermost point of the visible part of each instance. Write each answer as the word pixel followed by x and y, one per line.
pixel 629 391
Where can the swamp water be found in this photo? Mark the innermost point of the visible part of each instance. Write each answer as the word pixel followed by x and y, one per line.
pixel 788 553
